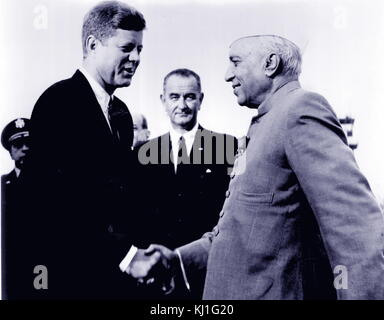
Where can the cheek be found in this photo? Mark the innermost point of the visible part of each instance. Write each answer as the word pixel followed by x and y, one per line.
pixel 170 110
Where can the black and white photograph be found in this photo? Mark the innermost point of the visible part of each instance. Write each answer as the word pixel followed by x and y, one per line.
pixel 190 150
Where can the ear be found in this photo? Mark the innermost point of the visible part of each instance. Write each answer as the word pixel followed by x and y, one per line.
pixel 272 65
pixel 91 43
pixel 201 98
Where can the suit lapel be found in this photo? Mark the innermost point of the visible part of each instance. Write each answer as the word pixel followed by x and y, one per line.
pixel 89 106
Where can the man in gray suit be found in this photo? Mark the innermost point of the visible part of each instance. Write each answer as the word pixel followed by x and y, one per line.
pixel 298 166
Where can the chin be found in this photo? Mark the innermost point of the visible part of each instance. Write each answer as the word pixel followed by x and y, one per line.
pixel 123 83
pixel 241 102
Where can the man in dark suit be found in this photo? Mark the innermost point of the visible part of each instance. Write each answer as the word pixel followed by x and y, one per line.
pixel 81 138
pixel 187 169
pixel 14 138
pixel 299 171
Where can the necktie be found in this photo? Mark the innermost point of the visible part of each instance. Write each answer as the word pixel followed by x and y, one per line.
pixel 182 154
pixel 113 119
pixel 182 151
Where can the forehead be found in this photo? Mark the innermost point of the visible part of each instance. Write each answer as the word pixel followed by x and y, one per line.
pixel 137 120
pixel 180 84
pixel 242 48
pixel 127 36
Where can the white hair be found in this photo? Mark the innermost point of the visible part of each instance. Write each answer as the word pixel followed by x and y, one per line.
pixel 289 53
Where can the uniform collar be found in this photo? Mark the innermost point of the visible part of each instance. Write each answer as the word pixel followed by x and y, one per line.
pixel 282 90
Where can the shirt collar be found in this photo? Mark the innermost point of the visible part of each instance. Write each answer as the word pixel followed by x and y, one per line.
pixel 17 171
pixel 101 95
pixel 189 136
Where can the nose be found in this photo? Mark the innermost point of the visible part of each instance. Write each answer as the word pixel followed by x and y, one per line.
pixel 134 55
pixel 182 104
pixel 229 74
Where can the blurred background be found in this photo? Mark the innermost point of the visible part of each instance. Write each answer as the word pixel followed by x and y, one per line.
pixel 342 45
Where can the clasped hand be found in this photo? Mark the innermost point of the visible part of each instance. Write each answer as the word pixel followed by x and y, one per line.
pixel 154 264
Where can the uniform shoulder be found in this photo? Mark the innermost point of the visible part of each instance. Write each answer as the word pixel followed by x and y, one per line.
pixel 305 97
pixel 310 109
pixel 301 102
pixel 217 134
pixel 7 177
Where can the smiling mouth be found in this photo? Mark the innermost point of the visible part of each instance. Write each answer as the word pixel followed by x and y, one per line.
pixel 129 71
pixel 235 88
pixel 183 114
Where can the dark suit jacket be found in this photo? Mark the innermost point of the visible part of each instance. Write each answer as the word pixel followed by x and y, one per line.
pixel 79 208
pixel 186 204
pixel 298 163
pixel 9 239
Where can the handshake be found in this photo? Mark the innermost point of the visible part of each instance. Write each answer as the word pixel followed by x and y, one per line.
pixel 154 266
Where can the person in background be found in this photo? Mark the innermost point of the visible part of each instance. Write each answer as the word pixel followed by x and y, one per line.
pixel 140 130
pixel 15 139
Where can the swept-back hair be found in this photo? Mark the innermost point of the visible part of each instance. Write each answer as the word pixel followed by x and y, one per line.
pixel 103 20
pixel 289 53
pixel 183 72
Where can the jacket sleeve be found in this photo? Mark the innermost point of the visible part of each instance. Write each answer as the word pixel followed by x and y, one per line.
pixel 350 220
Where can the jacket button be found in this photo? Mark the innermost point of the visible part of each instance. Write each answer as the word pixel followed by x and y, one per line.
pixel 227 194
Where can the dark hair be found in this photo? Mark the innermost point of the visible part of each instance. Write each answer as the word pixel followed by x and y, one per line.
pixel 183 73
pixel 103 20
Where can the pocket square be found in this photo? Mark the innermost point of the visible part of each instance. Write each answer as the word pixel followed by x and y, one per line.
pixel 208 171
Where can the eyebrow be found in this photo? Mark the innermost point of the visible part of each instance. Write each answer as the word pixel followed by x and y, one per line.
pixel 130 44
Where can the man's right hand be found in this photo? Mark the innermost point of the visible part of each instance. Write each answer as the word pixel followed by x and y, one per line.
pixel 155 264
pixel 143 263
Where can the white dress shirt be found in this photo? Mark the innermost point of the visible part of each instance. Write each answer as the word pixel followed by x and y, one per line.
pixel 101 95
pixel 189 137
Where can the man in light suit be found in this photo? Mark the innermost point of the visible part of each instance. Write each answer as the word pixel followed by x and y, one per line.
pixel 194 162
pixel 299 170
pixel 82 136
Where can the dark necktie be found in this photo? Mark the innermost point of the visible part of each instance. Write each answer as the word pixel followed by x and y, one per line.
pixel 182 153
pixel 113 119
pixel 121 124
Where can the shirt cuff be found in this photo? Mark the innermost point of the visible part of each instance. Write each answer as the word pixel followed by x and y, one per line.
pixel 183 270
pixel 124 264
